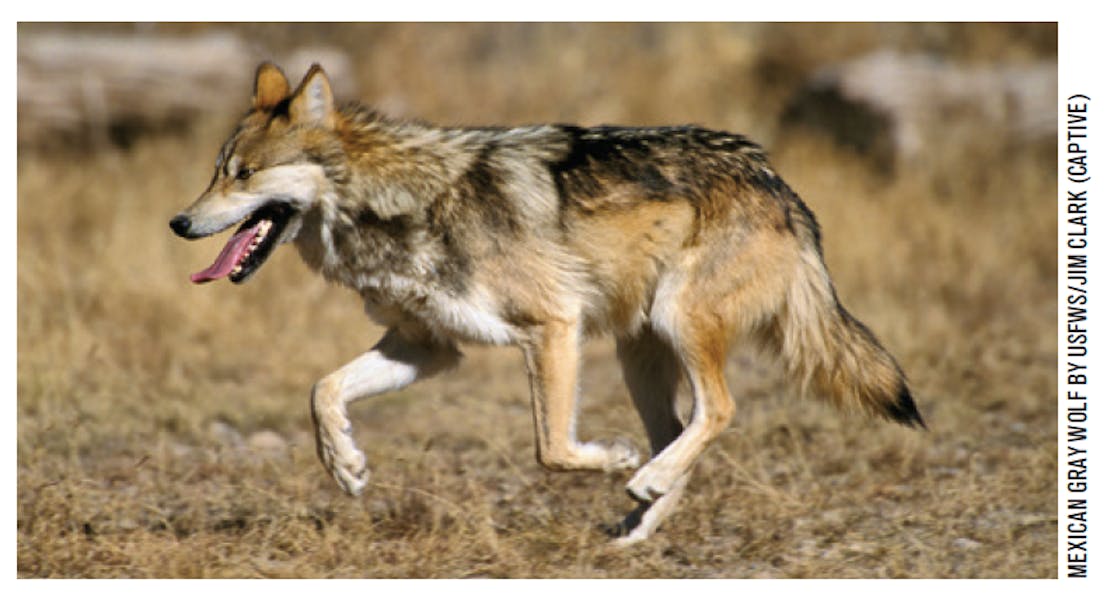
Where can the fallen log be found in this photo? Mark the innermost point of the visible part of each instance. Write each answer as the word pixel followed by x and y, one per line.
pixel 90 90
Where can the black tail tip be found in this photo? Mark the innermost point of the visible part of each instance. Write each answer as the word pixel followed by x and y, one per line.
pixel 903 410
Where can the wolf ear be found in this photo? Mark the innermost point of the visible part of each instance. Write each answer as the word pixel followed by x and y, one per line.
pixel 270 86
pixel 313 103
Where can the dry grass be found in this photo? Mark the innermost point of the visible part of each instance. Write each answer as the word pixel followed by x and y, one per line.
pixel 139 394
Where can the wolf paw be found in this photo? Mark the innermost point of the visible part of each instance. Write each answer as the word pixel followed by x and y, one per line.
pixel 624 455
pixel 344 462
pixel 629 539
pixel 613 455
pixel 352 476
pixel 649 484
pixel 629 530
pixel 646 517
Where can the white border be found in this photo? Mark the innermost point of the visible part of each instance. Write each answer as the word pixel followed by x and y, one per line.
pixel 1082 43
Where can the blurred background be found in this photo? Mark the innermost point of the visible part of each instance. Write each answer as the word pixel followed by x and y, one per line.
pixel 163 427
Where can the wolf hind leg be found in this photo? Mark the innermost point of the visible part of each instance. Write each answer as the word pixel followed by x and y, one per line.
pixel 716 295
pixel 393 363
pixel 703 353
pixel 651 372
pixel 646 517
pixel 552 359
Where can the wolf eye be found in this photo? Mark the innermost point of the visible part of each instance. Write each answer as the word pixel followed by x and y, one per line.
pixel 244 173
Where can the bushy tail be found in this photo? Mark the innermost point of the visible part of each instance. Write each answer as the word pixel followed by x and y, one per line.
pixel 832 354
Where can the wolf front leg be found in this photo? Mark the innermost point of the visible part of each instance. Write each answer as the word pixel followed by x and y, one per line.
pixel 552 358
pixel 393 363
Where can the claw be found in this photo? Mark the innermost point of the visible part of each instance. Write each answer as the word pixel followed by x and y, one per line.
pixel 648 485
pixel 352 483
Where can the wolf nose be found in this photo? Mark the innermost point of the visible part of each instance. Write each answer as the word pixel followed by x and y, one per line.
pixel 180 225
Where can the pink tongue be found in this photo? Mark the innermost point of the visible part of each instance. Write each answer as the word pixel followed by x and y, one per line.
pixel 232 253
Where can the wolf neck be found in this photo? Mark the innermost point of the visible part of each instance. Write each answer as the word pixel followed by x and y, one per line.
pixel 392 167
pixel 366 233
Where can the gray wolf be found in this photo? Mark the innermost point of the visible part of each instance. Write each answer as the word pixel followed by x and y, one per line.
pixel 675 240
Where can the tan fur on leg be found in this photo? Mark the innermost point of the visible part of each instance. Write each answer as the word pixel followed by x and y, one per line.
pixel 552 359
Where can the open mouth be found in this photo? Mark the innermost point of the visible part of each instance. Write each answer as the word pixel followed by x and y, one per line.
pixel 249 247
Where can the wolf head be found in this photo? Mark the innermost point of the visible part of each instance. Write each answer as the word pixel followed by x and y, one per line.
pixel 268 173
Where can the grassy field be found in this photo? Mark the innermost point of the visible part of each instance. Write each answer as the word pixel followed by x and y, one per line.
pixel 163 428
